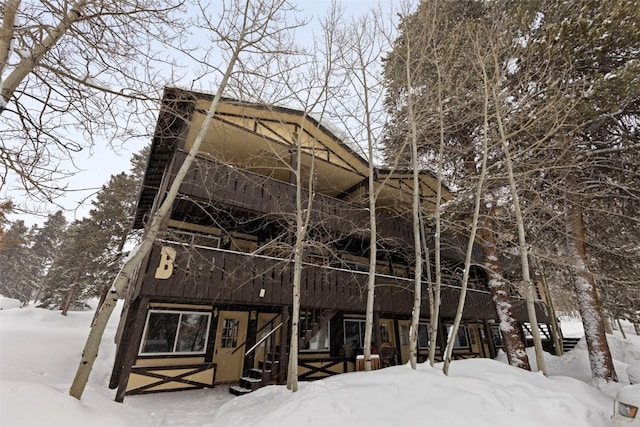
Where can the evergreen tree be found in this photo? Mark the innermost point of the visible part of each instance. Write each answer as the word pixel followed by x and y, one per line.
pixel 47 242
pixel 575 160
pixel 15 263
pixel 595 47
pixel 5 208
pixel 93 247
pixel 454 74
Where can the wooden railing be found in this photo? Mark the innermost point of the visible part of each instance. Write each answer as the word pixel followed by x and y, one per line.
pixel 224 276
pixel 213 182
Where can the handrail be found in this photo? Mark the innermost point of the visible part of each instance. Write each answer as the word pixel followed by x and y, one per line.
pixel 262 340
pixel 270 322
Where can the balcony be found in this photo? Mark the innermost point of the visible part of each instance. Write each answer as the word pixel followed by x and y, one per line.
pixel 220 276
pixel 238 189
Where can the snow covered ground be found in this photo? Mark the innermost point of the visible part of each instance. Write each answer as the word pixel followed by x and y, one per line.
pixel 40 350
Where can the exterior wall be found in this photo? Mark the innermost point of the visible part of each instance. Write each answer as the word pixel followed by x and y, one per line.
pixel 170 378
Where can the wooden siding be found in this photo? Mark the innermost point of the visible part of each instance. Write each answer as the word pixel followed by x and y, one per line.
pixel 216 276
pixel 226 277
pixel 216 183
pixel 151 379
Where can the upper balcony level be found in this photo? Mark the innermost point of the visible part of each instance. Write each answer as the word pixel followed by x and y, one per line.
pixel 226 187
pixel 273 142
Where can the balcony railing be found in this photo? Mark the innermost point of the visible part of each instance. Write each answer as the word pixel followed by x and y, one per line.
pixel 223 185
pixel 227 277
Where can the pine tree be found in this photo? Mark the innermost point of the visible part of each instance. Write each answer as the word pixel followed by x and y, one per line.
pixel 15 261
pixel 595 47
pixel 453 104
pixel 47 242
pixel 93 248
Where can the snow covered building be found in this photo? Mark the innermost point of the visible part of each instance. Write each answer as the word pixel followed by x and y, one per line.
pixel 211 303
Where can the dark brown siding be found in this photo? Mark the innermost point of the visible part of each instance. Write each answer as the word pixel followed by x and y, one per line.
pixel 224 277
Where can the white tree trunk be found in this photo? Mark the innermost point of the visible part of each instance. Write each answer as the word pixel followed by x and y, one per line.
pixel 415 209
pixel 302 222
pixel 92 345
pixel 472 235
pixel 373 248
pixel 435 295
pixel 522 242
pixel 6 32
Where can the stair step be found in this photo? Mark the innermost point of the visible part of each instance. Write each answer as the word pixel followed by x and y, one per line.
pixel 268 365
pixel 569 344
pixel 256 373
pixel 239 391
pixel 251 383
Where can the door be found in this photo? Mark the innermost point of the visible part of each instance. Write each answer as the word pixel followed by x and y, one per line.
pixel 229 350
pixel 388 345
pixel 403 339
pixel 478 339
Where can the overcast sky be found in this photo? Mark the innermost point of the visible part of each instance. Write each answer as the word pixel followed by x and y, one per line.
pixel 98 164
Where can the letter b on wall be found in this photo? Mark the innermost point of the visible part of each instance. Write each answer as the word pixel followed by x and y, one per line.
pixel 165 269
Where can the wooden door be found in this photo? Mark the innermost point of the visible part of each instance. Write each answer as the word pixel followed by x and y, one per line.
pixel 478 339
pixel 403 339
pixel 229 348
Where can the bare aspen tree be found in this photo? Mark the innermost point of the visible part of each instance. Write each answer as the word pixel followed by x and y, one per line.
pixel 317 86
pixel 250 28
pixel 453 332
pixel 75 65
pixel 517 356
pixel 361 115
pixel 412 141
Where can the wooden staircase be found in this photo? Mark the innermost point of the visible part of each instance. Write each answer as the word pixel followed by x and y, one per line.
pixel 569 344
pixel 269 370
pixel 255 378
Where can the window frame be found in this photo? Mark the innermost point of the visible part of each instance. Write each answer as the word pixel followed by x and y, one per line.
pixel 428 326
pixel 176 338
pixel 302 331
pixel 496 336
pixel 456 343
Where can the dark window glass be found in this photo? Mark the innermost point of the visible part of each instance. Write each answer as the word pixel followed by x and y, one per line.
pixel 192 336
pixel 161 332
pixel 423 335
pixel 175 332
pixel 230 333
pixel 462 339
pixel 496 335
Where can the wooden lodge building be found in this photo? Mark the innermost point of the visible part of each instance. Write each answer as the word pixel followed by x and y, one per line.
pixel 211 303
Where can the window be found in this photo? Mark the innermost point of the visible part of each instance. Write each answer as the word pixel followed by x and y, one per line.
pixel 423 335
pixel 354 333
pixel 404 335
pixel 462 339
pixel 229 337
pixel 385 337
pixel 314 334
pixel 496 336
pixel 175 332
pixel 354 330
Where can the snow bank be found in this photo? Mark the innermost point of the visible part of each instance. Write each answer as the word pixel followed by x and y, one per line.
pixel 41 349
pixel 9 303
pixel 478 392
